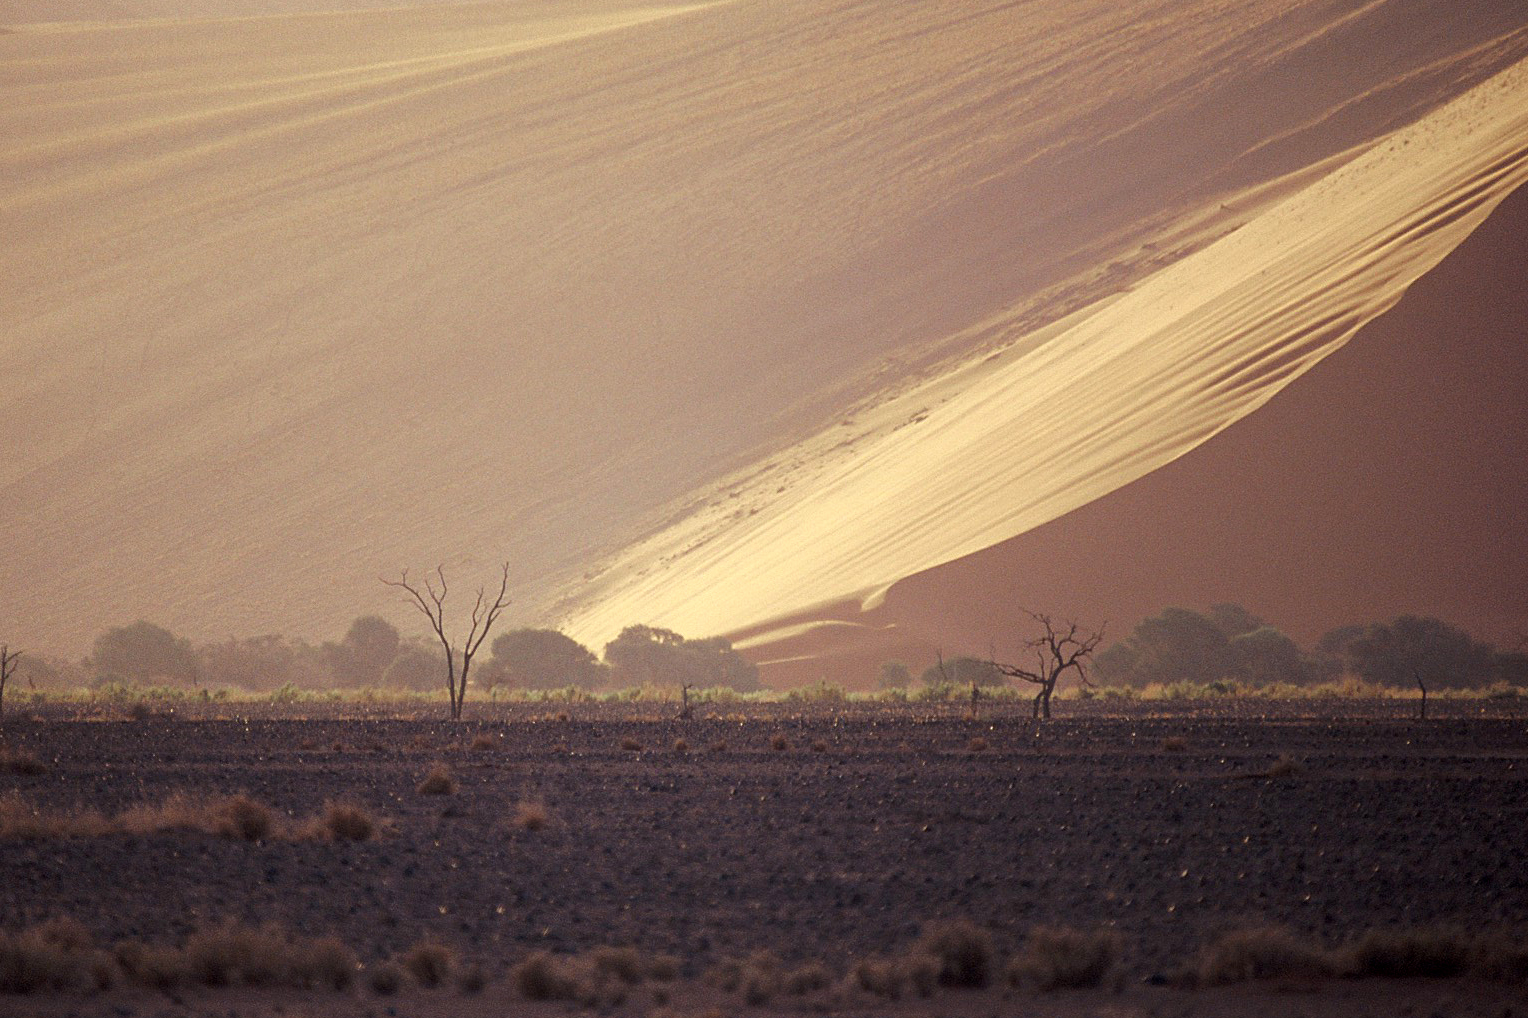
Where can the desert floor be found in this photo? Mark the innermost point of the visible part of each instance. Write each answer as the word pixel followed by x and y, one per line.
pixel 1171 823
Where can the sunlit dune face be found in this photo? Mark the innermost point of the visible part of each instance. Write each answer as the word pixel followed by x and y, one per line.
pixel 699 314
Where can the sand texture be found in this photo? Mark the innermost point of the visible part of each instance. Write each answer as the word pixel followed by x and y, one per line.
pixel 699 314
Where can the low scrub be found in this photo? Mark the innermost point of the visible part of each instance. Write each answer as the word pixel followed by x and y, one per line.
pixel 438 782
pixel 235 817
pixel 1062 958
pixel 62 956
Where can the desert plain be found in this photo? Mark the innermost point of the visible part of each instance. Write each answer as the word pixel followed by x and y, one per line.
pixel 824 833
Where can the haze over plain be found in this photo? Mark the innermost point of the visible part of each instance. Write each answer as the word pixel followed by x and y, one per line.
pixel 700 315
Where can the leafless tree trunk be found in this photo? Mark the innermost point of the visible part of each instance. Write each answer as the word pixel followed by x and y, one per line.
pixel 432 603
pixel 686 712
pixel 1423 709
pixel 1061 647
pixel 8 660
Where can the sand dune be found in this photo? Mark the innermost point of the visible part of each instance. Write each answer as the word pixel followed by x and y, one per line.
pixel 294 299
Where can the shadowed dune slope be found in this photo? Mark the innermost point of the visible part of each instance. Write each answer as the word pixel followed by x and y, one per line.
pixel 1387 480
pixel 292 300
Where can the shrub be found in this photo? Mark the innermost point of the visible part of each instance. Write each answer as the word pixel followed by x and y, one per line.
pixel 385 979
pixel 964 951
pixel 631 745
pixel 242 818
pixel 623 963
pixel 541 976
pixel 1431 952
pixel 805 979
pixel 346 822
pixel 530 816
pixel 681 747
pixel 429 963
pixel 779 742
pixel 1270 952
pixel 1057 958
pixel 485 742
pixel 437 782
pixel 20 762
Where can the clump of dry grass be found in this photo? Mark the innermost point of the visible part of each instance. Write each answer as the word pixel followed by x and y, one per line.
pixel 429 963
pixel 779 743
pixel 1059 957
pixel 385 979
pixel 964 951
pixel 1174 744
pixel 681 747
pixel 56 956
pixel 1284 766
pixel 237 817
pixel 20 762
pixel 631 745
pixel 345 821
pixel 804 979
pixel 484 741
pixel 892 977
pixel 530 816
pixel 1266 952
pixel 242 818
pixel 719 746
pixel 1433 952
pixel 757 977
pixel 438 782
pixel 977 744
pixel 600 978
pixel 236 955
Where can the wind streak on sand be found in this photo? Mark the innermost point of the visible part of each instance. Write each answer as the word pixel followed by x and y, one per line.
pixel 1003 444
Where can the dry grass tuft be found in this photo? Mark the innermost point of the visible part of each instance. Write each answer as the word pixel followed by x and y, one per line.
pixel 20 762
pixel 779 743
pixel 472 981
pixel 543 976
pixel 681 747
pixel 1057 958
pixel 430 964
pixel 1436 952
pixel 385 979
pixel 1174 744
pixel 438 782
pixel 819 746
pixel 530 816
pixel 964 951
pixel 804 979
pixel 977 744
pixel 56 956
pixel 631 745
pixel 1268 952
pixel 1284 766
pixel 484 742
pixel 344 821
pixel 242 818
pixel 623 963
pixel 719 746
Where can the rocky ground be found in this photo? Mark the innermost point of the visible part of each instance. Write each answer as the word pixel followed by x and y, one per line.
pixel 823 833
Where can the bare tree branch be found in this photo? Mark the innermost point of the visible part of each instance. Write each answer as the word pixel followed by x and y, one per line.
pixel 432 603
pixel 1059 649
pixel 8 659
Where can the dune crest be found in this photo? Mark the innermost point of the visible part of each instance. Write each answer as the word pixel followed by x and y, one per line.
pixel 1006 443
pixel 291 298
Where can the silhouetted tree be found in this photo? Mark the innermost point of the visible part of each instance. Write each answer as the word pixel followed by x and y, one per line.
pixel 1059 649
pixel 1264 655
pixel 1414 649
pixel 415 667
pixel 8 659
pixel 895 675
pixel 546 659
pixel 963 671
pixel 143 652
pixel 648 654
pixel 485 613
pixel 369 647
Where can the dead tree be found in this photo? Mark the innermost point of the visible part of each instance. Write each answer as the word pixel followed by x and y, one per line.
pixel 8 660
pixel 484 614
pixel 686 712
pixel 1422 710
pixel 1060 648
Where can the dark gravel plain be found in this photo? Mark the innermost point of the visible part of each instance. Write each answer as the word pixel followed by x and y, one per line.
pixel 1170 822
